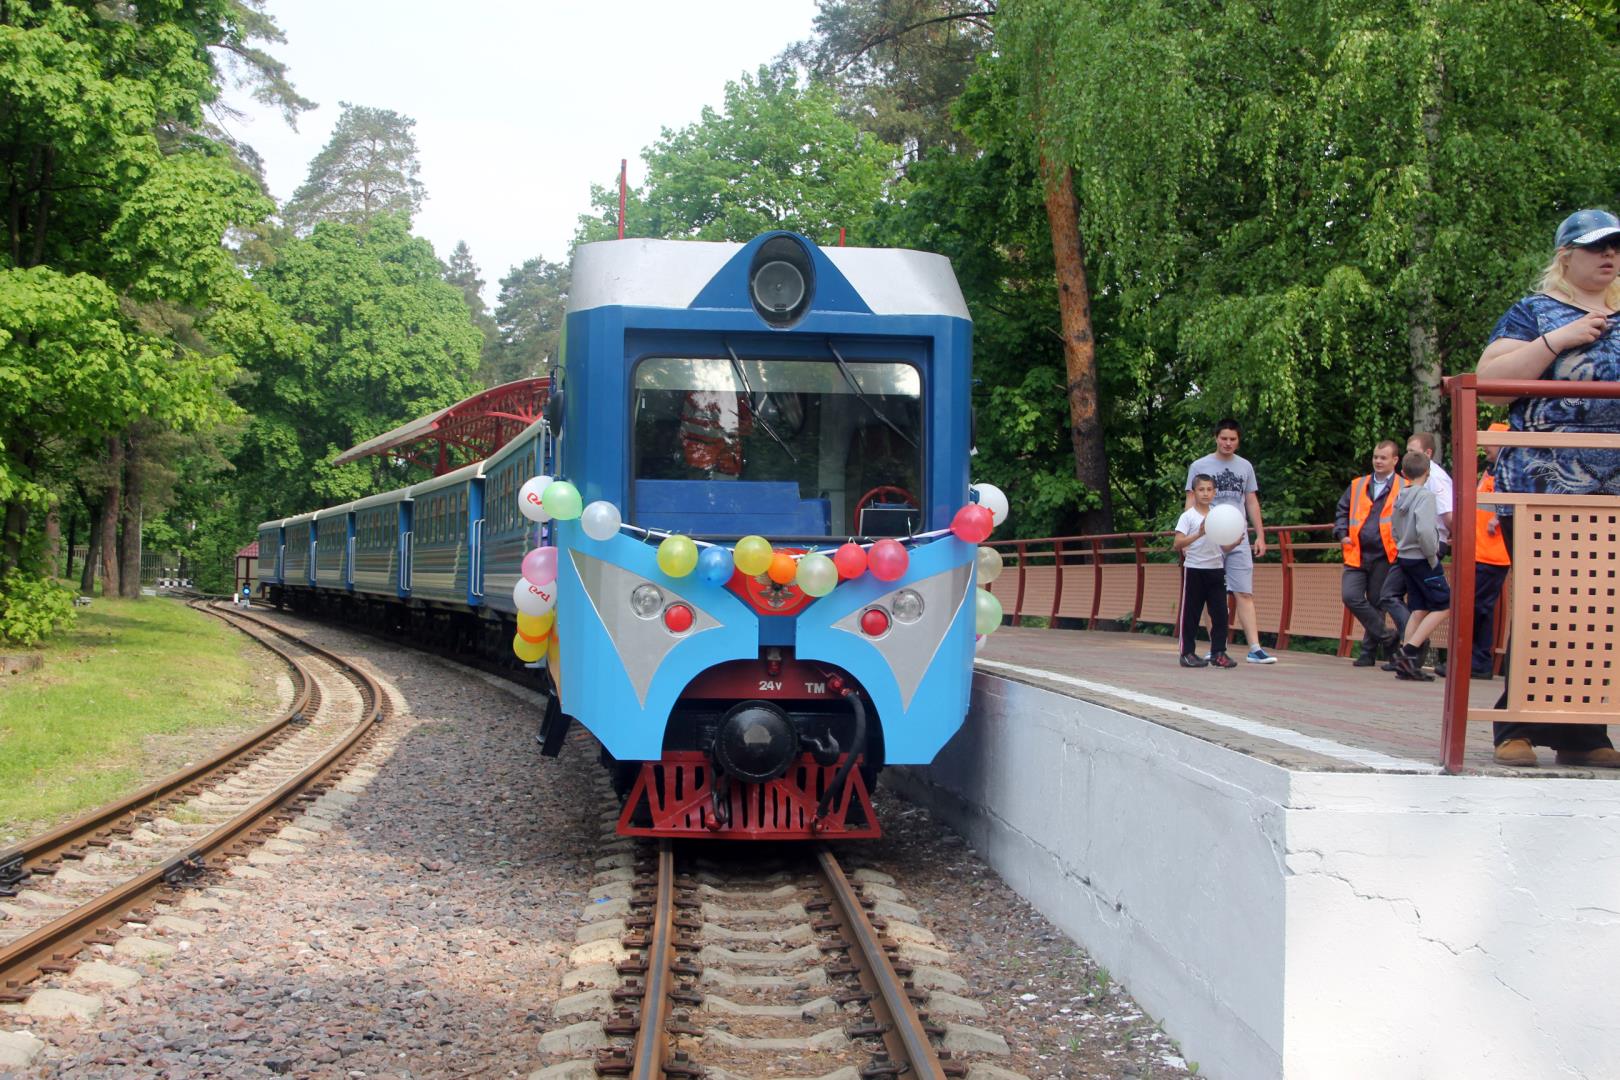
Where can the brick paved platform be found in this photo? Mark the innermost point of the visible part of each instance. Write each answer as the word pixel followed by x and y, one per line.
pixel 1306 712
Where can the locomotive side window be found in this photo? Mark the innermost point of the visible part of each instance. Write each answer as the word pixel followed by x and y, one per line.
pixel 787 447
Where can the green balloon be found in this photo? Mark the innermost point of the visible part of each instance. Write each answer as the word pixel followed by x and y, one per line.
pixel 677 556
pixel 561 500
pixel 817 575
pixel 986 612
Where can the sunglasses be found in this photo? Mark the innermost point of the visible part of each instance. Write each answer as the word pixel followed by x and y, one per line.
pixel 1607 245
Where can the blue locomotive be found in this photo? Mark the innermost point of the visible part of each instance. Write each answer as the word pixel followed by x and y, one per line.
pixel 717 391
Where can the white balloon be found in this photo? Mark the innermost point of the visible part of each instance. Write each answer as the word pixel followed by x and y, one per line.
pixel 529 498
pixel 991 498
pixel 601 520
pixel 532 599
pixel 1224 524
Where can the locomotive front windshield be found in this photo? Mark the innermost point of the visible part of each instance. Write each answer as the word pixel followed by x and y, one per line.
pixel 815 449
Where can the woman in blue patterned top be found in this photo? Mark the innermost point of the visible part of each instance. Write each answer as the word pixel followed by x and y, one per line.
pixel 1563 331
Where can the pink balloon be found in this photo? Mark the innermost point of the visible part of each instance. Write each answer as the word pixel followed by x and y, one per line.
pixel 973 523
pixel 888 560
pixel 540 565
pixel 850 560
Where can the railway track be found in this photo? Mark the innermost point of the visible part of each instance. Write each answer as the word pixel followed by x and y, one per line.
pixel 75 885
pixel 729 975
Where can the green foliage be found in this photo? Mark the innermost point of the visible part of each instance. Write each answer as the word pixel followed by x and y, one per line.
pixel 383 339
pixel 528 319
pixel 778 156
pixel 32 608
pixel 368 167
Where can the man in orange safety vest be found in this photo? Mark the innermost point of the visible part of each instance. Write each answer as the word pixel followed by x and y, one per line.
pixel 1364 526
pixel 1491 563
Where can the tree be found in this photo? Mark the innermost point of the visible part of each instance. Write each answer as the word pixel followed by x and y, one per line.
pixel 463 273
pixel 115 290
pixel 382 339
pixel 528 319
pixel 779 156
pixel 368 167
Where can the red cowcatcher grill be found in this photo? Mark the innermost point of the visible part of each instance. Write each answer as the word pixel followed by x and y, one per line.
pixel 675 796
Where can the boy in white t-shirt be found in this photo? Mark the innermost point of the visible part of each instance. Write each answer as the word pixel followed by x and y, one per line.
pixel 1203 580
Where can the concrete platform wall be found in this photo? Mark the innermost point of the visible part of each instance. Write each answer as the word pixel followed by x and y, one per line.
pixel 1307 925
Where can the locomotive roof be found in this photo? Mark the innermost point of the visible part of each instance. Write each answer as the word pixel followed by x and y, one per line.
pixel 671 274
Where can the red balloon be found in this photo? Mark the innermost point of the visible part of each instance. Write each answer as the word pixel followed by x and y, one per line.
pixel 973 523
pixel 888 559
pixel 850 560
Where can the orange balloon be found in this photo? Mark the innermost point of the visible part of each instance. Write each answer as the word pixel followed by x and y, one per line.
pixel 784 568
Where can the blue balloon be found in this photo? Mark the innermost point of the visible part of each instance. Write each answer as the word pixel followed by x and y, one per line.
pixel 715 566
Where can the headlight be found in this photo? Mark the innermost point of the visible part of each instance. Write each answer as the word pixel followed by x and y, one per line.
pixel 646 600
pixel 907 605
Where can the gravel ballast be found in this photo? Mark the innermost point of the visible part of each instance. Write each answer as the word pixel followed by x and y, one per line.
pixel 421 924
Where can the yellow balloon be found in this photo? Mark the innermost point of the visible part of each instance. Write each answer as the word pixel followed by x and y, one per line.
pixel 753 555
pixel 527 651
pixel 554 663
pixel 677 556
pixel 535 627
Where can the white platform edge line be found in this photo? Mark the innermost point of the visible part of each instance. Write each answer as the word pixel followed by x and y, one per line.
pixel 1370 759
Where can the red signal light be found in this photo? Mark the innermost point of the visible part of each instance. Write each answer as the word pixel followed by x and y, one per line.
pixel 678 618
pixel 875 622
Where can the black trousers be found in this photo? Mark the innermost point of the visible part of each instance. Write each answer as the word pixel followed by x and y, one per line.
pixel 1488 582
pixel 1362 588
pixel 1392 597
pixel 1201 589
pixel 1575 737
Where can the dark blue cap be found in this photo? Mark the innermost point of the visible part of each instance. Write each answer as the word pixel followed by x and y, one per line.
pixel 1587 227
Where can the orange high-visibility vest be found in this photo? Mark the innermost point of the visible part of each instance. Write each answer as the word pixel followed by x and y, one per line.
pixel 1360 506
pixel 1488 549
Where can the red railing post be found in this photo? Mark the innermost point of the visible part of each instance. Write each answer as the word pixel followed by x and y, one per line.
pixel 1097 581
pixel 1286 617
pixel 1057 587
pixel 1018 599
pixel 1459 648
pixel 1141 579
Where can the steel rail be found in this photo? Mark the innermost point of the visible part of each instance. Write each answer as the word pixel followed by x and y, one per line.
pixel 651 1050
pixel 903 1031
pixel 18 861
pixel 52 945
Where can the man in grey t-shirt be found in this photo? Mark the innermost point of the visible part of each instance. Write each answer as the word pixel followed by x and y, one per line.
pixel 1236 485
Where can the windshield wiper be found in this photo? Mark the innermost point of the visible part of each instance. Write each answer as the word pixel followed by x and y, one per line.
pixel 759 415
pixel 849 377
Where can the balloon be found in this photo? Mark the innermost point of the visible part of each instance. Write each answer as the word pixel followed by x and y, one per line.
pixel 753 555
pixel 887 560
pixel 561 500
pixel 991 498
pixel 850 560
pixel 532 599
pixel 535 627
pixel 601 520
pixel 986 612
pixel 527 651
pixel 540 565
pixel 990 565
pixel 972 524
pixel 1224 524
pixel 529 501
pixel 677 556
pixel 783 568
pixel 715 565
pixel 817 575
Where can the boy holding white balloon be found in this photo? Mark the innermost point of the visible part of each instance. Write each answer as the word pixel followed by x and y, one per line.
pixel 1236 486
pixel 1203 576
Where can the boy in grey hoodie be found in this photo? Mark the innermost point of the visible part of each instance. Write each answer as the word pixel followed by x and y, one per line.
pixel 1417 550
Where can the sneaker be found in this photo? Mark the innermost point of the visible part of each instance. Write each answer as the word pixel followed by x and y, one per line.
pixel 1406 667
pixel 1602 757
pixel 1515 752
pixel 1223 661
pixel 1485 675
pixel 1257 655
pixel 1193 660
pixel 1366 659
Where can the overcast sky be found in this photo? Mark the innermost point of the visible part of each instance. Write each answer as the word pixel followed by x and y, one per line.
pixel 519 107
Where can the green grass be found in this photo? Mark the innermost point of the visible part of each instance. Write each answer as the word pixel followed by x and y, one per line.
pixel 134 691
